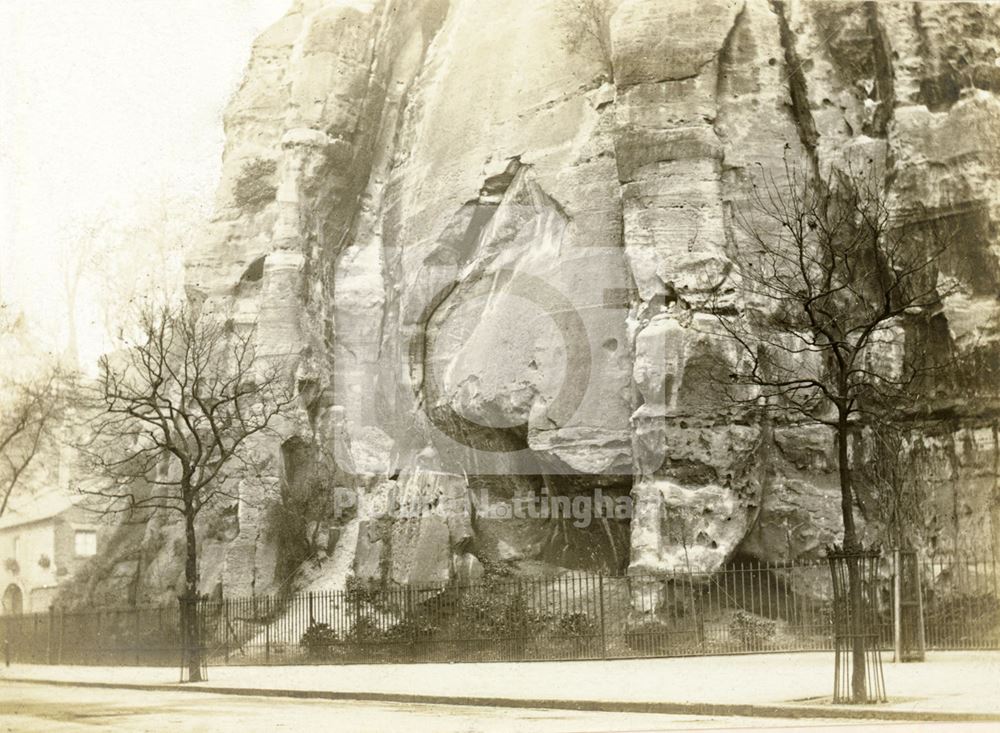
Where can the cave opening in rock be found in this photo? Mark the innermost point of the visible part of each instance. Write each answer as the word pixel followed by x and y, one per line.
pixel 254 271
pixel 548 524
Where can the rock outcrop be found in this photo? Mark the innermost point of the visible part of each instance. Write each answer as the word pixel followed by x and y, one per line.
pixel 490 234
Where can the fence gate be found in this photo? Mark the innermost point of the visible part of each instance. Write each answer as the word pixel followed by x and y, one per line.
pixel 908 612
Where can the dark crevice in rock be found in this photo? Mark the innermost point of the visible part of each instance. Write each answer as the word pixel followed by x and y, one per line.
pixel 940 91
pixel 884 91
pixel 798 90
pixel 587 534
pixel 309 392
pixel 951 68
pixel 254 271
pixel 494 187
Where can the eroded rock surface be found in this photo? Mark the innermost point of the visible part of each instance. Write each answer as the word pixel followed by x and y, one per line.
pixel 492 251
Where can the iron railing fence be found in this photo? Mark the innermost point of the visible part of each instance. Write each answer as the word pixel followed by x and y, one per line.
pixel 744 608
pixel 140 636
pixel 961 602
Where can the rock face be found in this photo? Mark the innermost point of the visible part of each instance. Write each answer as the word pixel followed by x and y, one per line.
pixel 489 233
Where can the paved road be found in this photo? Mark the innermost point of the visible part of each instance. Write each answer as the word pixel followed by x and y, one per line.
pixel 29 707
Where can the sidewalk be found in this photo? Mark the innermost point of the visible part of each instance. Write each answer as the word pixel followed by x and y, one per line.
pixel 949 685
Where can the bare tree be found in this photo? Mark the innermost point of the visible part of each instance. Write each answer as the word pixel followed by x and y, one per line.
pixel 33 403
pixel 835 281
pixel 32 410
pixel 585 26
pixel 178 411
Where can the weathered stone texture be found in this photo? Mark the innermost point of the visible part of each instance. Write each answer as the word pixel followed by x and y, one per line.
pixel 495 263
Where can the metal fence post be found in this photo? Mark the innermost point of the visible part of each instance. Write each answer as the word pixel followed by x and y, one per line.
pixel 604 638
pixel 267 630
pixel 225 621
pixel 897 608
pixel 921 639
pixel 183 629
pixel 99 638
pixel 48 639
pixel 136 632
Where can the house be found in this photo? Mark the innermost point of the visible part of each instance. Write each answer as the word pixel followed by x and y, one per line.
pixel 44 540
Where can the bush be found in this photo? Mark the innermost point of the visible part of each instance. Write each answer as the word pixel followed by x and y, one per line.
pixel 412 628
pixel 497 611
pixel 319 641
pixel 255 187
pixel 752 632
pixel 364 591
pixel 364 629
pixel 576 624
pixel 368 641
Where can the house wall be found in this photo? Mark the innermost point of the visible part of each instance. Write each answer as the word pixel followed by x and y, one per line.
pixel 33 541
pixel 53 538
pixel 66 526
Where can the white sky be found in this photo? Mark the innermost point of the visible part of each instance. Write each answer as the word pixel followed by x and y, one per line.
pixel 104 103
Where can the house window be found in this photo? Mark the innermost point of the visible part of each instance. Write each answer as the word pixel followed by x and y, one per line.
pixel 85 542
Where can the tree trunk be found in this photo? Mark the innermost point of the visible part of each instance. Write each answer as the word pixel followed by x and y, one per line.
pixel 846 484
pixel 189 603
pixel 851 545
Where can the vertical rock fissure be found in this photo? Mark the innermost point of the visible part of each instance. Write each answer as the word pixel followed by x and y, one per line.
pixel 884 89
pixel 797 87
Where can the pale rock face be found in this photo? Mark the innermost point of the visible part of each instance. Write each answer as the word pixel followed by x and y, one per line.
pixel 494 254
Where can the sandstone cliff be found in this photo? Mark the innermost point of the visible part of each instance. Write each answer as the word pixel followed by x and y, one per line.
pixel 488 232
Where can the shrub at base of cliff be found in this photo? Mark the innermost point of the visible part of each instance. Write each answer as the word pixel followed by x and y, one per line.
pixel 254 188
pixel 495 616
pixel 319 642
pixel 363 591
pixel 753 633
pixel 580 630
pixel 490 620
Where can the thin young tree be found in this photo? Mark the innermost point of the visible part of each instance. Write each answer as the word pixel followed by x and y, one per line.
pixel 836 284
pixel 176 417
pixel 32 404
pixel 585 26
